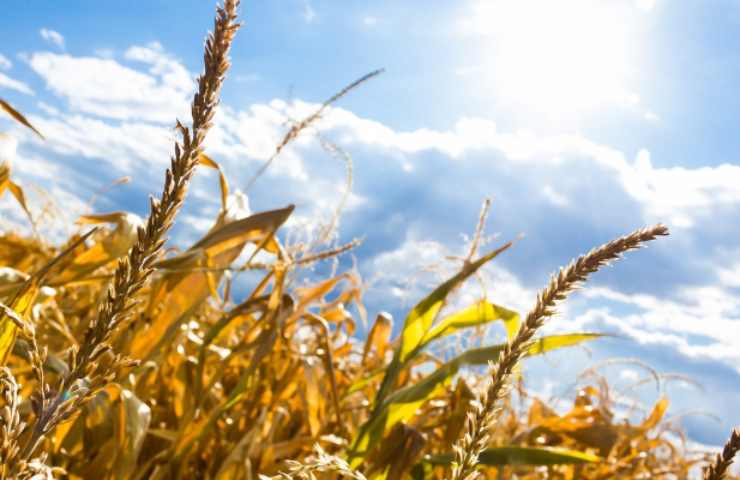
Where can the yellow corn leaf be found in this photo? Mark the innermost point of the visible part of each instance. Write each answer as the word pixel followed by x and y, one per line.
pixel 553 342
pixel 257 228
pixel 265 343
pixel 189 278
pixel 114 424
pixel 20 197
pixel 234 462
pixel 206 161
pixel 224 324
pixel 24 299
pixel 656 415
pixel 69 435
pixel 312 397
pixel 14 188
pixel 379 336
pixel 17 116
pixel 113 246
pixel 477 314
pixel 309 295
pixel 132 421
pixel 539 412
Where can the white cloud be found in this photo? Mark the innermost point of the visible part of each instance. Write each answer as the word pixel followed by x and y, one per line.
pixel 128 147
pixel 683 197
pixel 369 21
pixel 39 168
pixel 17 85
pixel 108 89
pixel 309 14
pixel 681 194
pixel 708 312
pixel 171 72
pixel 400 271
pixel 5 63
pixel 678 195
pixel 118 114
pixel 555 197
pixel 53 37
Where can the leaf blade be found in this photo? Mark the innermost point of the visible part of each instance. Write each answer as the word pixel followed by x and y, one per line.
pixel 513 455
pixel 18 117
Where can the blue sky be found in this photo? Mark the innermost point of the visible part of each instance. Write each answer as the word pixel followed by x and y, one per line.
pixel 581 120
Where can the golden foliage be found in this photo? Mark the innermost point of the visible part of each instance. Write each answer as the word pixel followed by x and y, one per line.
pixel 118 362
pixel 231 388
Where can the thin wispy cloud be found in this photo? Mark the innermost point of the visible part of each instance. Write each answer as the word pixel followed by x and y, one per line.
pixel 309 14
pixel 52 37
pixel 5 63
pixel 12 84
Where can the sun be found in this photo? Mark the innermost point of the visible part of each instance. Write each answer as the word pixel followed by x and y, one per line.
pixel 557 56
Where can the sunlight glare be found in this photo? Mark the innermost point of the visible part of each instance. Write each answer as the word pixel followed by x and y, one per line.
pixel 557 57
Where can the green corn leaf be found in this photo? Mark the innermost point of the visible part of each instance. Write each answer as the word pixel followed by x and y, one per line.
pixel 419 321
pixel 402 404
pixel 424 389
pixel 415 329
pixel 521 456
pixel 422 316
pixel 364 381
pixel 479 313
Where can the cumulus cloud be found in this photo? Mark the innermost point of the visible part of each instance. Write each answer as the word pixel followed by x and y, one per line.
pixel 700 322
pixel 106 88
pixel 677 195
pixel 171 72
pixel 52 36
pixel 122 146
pixel 143 98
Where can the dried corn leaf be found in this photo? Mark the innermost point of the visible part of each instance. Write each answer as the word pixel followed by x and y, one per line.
pixel 17 116
pixel 24 299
